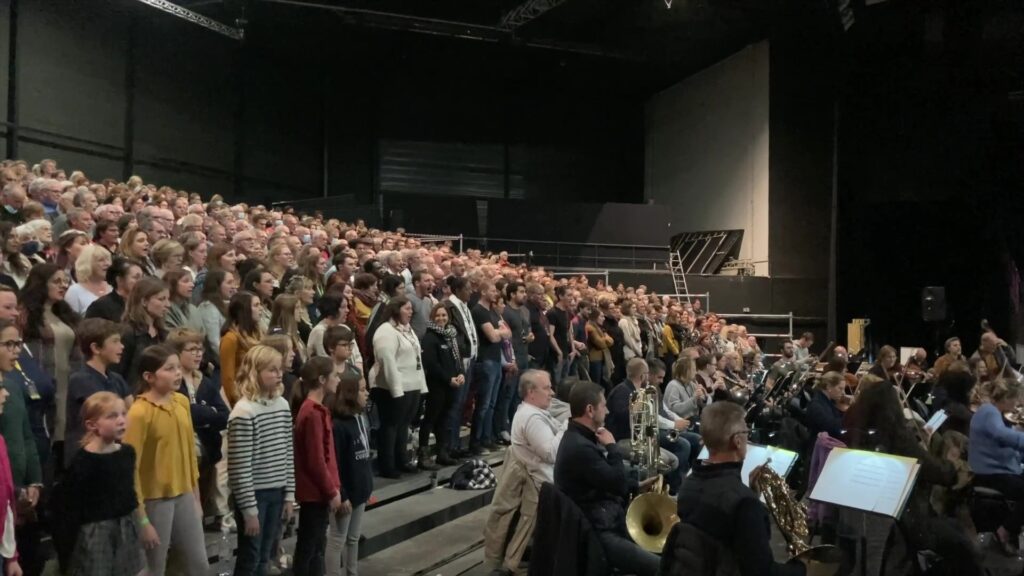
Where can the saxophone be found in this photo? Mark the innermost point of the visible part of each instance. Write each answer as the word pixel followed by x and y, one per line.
pixel 791 518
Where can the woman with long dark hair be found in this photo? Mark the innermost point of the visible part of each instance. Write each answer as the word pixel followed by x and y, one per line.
pixel 875 422
pixel 144 318
pixel 396 382
pixel 213 308
pixel 47 325
pixel 14 263
pixel 261 282
pixel 122 275
pixel 181 313
pixel 241 332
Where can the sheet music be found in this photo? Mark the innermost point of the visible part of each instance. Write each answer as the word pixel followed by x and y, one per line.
pixel 782 461
pixel 870 481
pixel 936 421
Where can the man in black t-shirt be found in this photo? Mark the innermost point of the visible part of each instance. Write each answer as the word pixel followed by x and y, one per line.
pixel 561 329
pixel 491 329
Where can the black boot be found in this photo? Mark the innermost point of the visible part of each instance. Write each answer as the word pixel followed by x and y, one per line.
pixel 443 459
pixel 426 462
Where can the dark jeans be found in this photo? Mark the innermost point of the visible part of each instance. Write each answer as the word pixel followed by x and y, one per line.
pixel 311 540
pixel 681 449
pixel 1012 487
pixel 440 398
pixel 489 373
pixel 393 437
pixel 625 556
pixel 254 551
pixel 454 417
pixel 502 419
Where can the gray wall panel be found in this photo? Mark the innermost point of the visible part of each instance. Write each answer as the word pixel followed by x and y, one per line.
pixel 95 167
pixel 185 96
pixel 5 14
pixel 71 68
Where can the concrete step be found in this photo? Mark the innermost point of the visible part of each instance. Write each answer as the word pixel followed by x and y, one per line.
pixel 453 549
pixel 417 504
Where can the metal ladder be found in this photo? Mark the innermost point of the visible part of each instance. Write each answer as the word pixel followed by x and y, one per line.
pixel 675 265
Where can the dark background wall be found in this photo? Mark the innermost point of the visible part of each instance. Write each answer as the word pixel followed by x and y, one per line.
pixel 118 87
pixel 932 149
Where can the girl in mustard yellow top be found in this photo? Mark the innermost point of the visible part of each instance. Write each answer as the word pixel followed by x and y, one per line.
pixel 166 468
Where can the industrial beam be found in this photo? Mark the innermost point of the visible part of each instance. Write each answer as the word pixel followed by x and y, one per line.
pixel 196 18
pixel 526 12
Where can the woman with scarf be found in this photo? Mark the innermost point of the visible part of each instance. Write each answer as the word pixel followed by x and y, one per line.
pixel 364 297
pixel 443 367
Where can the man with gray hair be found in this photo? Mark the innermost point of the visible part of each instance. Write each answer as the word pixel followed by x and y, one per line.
pixel 723 526
pixel 535 439
pixel 13 200
pixel 47 192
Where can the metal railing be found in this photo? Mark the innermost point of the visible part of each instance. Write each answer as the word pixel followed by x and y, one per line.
pixel 435 238
pixel 582 272
pixel 705 295
pixel 597 255
pixel 788 317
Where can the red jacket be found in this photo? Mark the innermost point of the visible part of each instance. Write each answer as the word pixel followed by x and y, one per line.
pixel 316 470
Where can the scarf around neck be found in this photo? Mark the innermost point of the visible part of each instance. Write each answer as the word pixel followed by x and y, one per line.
pixel 448 334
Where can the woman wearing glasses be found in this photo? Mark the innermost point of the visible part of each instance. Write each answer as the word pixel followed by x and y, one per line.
pixel 48 326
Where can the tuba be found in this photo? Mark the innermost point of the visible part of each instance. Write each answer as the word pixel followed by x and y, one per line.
pixel 643 432
pixel 791 518
pixel 650 518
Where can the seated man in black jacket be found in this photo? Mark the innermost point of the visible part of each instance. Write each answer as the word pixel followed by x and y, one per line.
pixel 589 469
pixel 714 501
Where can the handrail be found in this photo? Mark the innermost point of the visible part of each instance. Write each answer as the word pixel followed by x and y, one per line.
pixel 788 316
pixel 567 243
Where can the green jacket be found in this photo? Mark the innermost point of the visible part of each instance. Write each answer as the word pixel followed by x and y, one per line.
pixel 17 432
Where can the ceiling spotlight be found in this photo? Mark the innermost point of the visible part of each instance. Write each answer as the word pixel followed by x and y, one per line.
pixel 668 3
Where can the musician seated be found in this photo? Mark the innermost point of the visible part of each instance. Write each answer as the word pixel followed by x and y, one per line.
pixel 714 501
pixel 996 452
pixel 838 363
pixel 802 348
pixel 824 413
pixel 619 424
pixel 589 469
pixel 953 354
pixel 886 366
pixel 782 366
pixel 952 393
pixel 999 359
pixel 536 435
pixel 707 377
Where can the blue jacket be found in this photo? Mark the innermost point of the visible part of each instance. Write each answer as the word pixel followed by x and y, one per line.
pixel 209 416
pixel 995 447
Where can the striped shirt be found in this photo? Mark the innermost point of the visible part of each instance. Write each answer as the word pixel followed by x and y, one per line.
pixel 260 453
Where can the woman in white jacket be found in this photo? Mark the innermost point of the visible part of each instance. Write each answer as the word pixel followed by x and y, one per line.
pixel 631 347
pixel 396 382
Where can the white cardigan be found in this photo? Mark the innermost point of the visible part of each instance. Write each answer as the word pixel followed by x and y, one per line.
pixel 631 337
pixel 397 365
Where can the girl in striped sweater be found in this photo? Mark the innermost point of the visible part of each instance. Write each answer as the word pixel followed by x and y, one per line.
pixel 261 469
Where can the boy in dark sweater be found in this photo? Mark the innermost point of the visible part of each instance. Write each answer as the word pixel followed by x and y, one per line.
pixel 100 342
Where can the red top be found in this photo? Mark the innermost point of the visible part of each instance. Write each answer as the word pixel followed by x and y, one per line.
pixel 8 497
pixel 316 470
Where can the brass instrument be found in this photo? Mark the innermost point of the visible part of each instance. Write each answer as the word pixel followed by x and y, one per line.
pixel 650 517
pixel 643 432
pixel 1016 417
pixel 791 518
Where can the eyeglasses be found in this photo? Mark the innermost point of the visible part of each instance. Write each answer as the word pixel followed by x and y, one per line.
pixel 745 432
pixel 194 349
pixel 13 345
